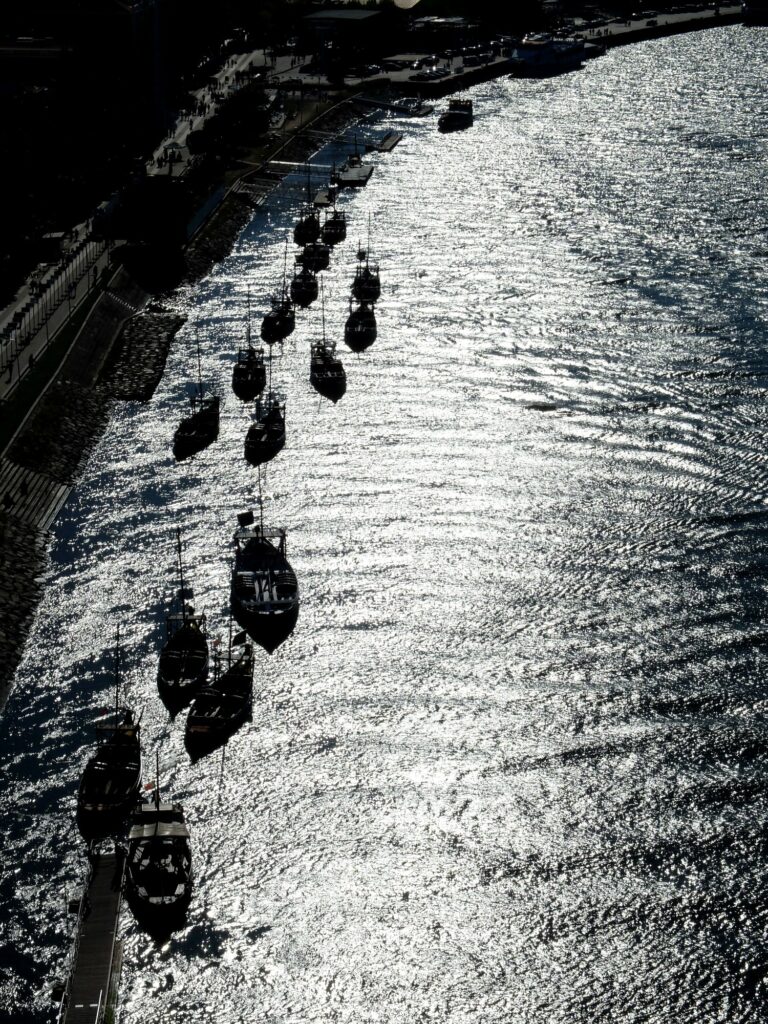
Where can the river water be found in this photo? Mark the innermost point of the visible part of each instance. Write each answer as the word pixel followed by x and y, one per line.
pixel 511 765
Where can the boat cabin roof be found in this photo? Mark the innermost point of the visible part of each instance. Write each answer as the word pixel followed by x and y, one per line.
pixel 161 820
pixel 162 829
pixel 246 533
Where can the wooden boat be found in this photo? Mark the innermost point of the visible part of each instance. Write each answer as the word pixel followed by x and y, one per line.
pixel 201 428
pixel 360 329
pixel 458 115
pixel 280 321
pixel 304 287
pixel 316 256
pixel 307 228
pixel 111 778
pixel 366 286
pixel 249 374
pixel 159 865
pixel 335 228
pixel 223 705
pixel 266 435
pixel 183 664
pixel 326 371
pixel 264 592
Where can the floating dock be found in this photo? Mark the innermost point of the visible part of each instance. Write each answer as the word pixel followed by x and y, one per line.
pixel 325 196
pixel 354 177
pixel 91 988
pixel 385 144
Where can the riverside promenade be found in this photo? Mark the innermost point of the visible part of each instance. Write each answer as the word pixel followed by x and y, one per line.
pixel 652 26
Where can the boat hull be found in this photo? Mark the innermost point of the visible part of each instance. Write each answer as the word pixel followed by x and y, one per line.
pixel 304 292
pixel 257 452
pixel 307 230
pixel 277 326
pixel 196 432
pixel 182 668
pixel 334 232
pixel 248 382
pixel 267 629
pixel 366 287
pixel 360 330
pixel 220 710
pixel 316 257
pixel 109 786
pixel 331 387
pixel 159 868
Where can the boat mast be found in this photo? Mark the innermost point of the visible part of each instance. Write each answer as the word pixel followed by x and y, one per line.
pixel 248 319
pixel 322 309
pixel 199 369
pixel 117 676
pixel 157 787
pixel 181 578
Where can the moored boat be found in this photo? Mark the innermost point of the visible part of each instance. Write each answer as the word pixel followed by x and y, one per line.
pixel 264 591
pixel 307 227
pixel 249 374
pixel 198 430
pixel 111 778
pixel 183 663
pixel 266 435
pixel 201 427
pixel 159 866
pixel 316 256
pixel 540 55
pixel 366 285
pixel 326 371
pixel 304 287
pixel 360 329
pixel 335 228
pixel 458 115
pixel 224 704
pixel 280 321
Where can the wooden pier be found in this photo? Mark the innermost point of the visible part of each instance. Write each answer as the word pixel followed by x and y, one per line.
pixel 91 988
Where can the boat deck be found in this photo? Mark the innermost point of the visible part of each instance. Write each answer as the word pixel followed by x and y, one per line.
pixel 94 977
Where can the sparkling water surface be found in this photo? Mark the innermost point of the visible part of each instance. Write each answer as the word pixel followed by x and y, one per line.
pixel 511 765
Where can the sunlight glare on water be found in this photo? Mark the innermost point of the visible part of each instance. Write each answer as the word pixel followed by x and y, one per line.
pixel 510 767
